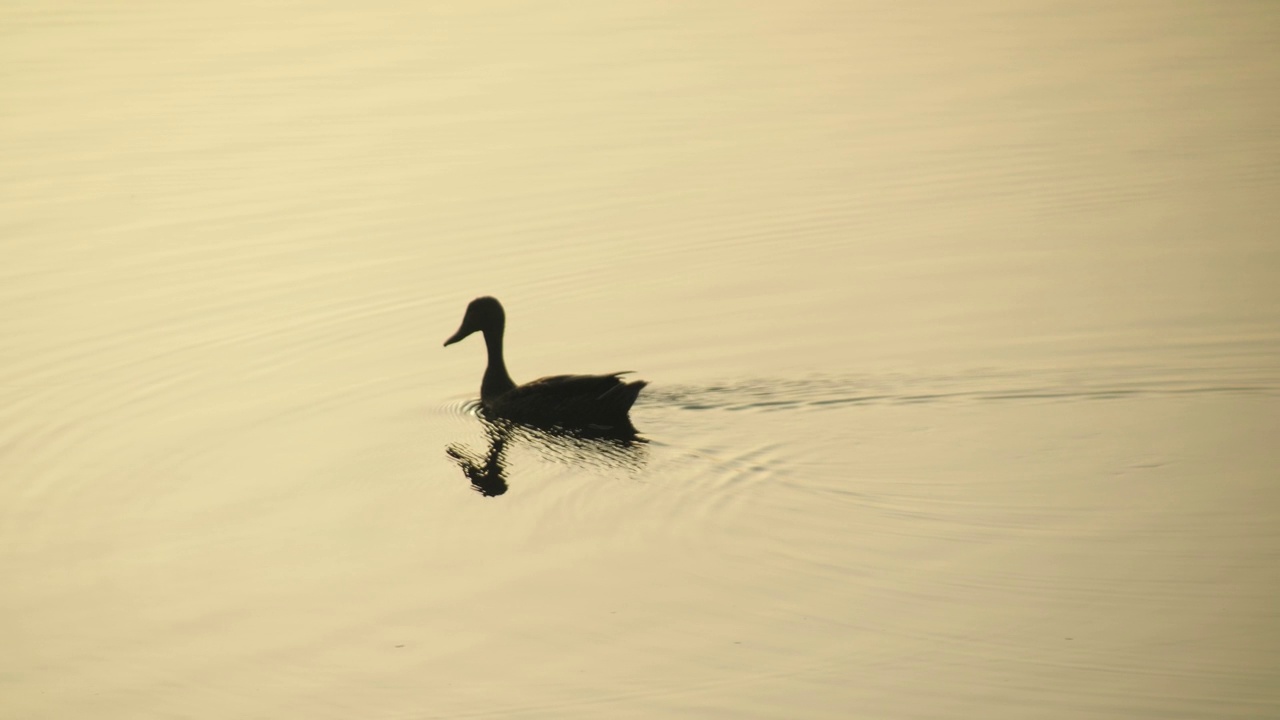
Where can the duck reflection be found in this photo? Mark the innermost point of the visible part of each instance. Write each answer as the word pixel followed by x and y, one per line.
pixel 613 448
pixel 488 472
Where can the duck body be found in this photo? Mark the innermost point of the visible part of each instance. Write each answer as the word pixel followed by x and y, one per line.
pixel 575 401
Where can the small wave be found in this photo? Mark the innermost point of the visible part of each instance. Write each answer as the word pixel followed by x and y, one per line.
pixel 462 408
pixel 767 395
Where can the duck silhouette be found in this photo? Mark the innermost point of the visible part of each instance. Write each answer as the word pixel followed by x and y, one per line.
pixel 587 402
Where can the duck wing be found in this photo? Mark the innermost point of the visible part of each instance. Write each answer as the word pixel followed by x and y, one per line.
pixel 571 399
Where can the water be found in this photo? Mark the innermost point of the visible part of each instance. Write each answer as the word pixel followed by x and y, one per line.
pixel 961 326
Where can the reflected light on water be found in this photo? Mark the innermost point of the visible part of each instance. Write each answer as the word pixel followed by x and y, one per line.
pixel 961 324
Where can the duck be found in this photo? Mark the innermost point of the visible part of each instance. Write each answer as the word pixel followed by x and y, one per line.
pixel 589 402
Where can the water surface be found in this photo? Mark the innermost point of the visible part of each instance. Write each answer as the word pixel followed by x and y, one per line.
pixel 961 325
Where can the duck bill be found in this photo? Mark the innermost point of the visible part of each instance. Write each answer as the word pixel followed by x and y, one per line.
pixel 462 332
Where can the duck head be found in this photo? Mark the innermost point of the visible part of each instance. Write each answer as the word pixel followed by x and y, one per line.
pixel 484 314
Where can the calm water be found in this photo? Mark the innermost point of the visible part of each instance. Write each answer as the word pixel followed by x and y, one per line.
pixel 961 322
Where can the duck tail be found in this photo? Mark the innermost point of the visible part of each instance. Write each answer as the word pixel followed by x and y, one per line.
pixel 622 396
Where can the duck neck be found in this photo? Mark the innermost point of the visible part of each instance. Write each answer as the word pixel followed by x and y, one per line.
pixel 496 380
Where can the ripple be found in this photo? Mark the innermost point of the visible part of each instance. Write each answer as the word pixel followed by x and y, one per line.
pixel 822 392
pixel 462 408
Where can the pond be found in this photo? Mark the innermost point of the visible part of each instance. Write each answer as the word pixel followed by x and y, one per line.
pixel 960 323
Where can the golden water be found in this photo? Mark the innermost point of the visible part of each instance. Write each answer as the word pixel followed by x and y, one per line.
pixel 961 322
